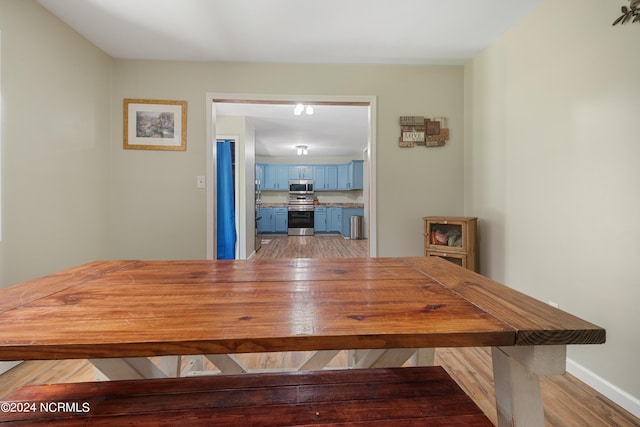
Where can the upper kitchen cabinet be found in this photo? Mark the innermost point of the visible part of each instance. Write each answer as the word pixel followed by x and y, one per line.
pixel 325 177
pixel 357 172
pixel 350 176
pixel 338 177
pixel 276 177
pixel 301 172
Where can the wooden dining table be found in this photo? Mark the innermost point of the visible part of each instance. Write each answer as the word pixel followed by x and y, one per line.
pixel 118 314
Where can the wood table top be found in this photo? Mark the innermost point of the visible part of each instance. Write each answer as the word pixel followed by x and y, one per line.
pixel 151 308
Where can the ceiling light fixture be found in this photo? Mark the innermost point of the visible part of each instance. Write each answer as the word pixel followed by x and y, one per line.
pixel 300 108
pixel 302 150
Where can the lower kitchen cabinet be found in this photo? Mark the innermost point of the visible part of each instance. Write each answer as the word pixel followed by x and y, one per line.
pixel 334 220
pixel 263 221
pixel 273 220
pixel 320 220
pixel 281 216
pixel 326 220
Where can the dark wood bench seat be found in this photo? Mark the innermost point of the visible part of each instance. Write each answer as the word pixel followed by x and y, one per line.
pixel 417 396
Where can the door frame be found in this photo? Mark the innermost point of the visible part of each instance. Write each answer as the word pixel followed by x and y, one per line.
pixel 369 195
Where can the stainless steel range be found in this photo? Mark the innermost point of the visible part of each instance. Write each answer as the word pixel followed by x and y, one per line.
pixel 300 215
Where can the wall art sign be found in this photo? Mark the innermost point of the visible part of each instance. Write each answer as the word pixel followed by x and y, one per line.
pixel 155 124
pixel 428 132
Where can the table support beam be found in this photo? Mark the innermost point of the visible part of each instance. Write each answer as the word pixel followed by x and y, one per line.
pixel 318 360
pixel 424 357
pixel 129 368
pixel 385 358
pixel 227 363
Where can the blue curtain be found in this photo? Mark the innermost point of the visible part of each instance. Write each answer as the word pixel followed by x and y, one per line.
pixel 226 219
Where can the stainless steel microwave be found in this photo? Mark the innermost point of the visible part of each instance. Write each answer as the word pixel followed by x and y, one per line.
pixel 301 186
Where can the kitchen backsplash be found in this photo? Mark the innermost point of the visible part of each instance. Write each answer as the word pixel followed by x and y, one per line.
pixel 353 196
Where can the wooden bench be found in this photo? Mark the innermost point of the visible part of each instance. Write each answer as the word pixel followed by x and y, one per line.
pixel 421 396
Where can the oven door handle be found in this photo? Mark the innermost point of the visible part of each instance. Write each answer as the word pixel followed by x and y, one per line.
pixel 300 208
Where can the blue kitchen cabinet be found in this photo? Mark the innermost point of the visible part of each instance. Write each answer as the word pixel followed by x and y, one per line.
pixel 348 176
pixel 356 175
pixel 351 175
pixel 343 177
pixel 320 220
pixel 319 178
pixel 281 220
pixel 268 178
pixel 259 220
pixel 301 172
pixel 325 178
pixel 331 176
pixel 334 219
pixel 276 177
pixel 265 221
pixel 274 220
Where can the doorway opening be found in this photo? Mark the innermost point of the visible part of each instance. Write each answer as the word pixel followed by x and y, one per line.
pixel 246 162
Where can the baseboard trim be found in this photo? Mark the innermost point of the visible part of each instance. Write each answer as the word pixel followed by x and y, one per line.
pixel 604 387
pixel 5 366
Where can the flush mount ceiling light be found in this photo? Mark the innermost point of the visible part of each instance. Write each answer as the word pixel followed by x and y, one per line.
pixel 300 108
pixel 302 150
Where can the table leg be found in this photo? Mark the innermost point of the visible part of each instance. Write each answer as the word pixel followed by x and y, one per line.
pixel 516 372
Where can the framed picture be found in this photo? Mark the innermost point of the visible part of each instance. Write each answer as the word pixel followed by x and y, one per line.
pixel 155 124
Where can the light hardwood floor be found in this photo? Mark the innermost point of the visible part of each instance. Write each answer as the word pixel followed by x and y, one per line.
pixel 568 402
pixel 319 246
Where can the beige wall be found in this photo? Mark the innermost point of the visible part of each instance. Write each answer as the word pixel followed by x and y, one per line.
pixel 552 169
pixel 158 212
pixel 55 145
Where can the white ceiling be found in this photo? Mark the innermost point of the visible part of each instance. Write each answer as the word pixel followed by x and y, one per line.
pixel 331 131
pixel 294 31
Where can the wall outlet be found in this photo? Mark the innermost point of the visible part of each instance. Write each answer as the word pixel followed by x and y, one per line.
pixel 200 182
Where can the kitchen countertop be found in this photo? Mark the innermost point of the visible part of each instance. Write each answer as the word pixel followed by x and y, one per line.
pixel 340 205
pixel 321 205
pixel 273 205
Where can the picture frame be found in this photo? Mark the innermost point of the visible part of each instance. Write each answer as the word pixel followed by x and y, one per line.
pixel 150 124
